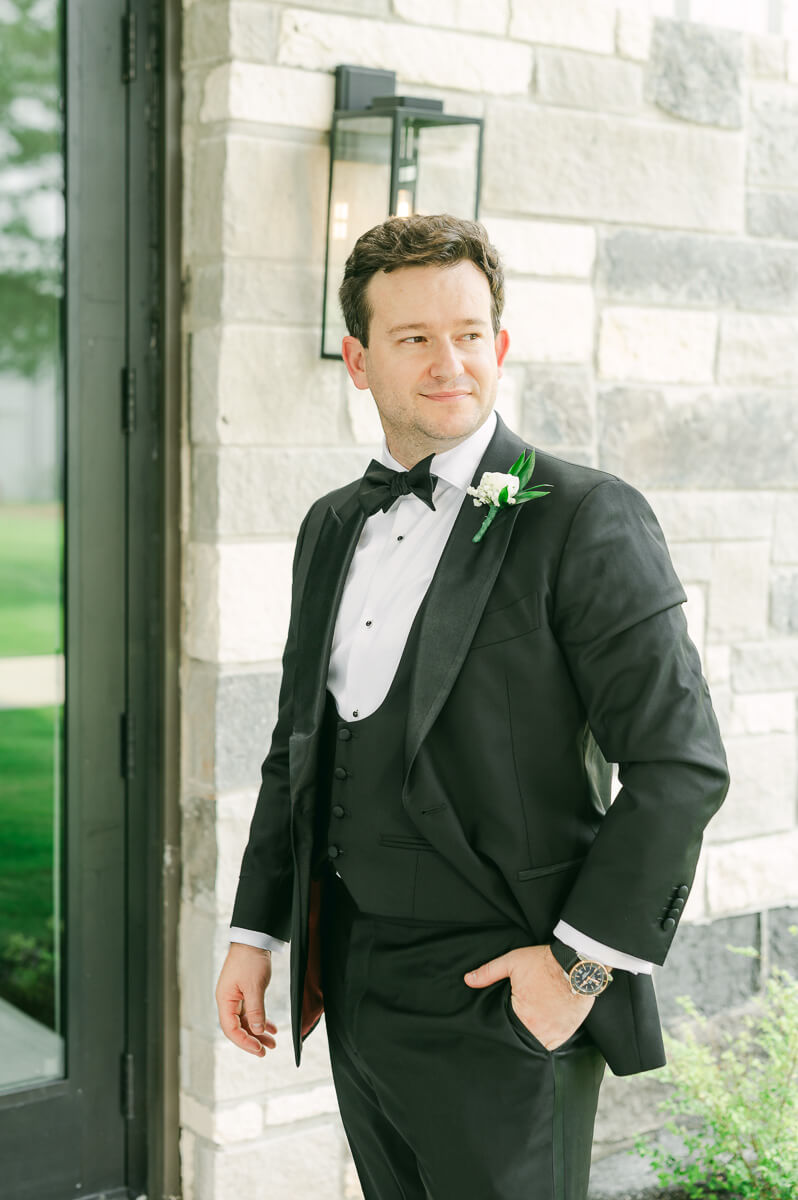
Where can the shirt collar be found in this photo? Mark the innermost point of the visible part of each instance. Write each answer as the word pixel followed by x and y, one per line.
pixel 458 465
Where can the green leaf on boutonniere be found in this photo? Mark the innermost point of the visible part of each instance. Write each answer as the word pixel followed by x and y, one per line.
pixel 528 467
pixel 533 492
pixel 517 466
pixel 504 495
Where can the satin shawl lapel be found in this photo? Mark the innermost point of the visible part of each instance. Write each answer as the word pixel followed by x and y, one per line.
pixel 321 597
pixel 457 596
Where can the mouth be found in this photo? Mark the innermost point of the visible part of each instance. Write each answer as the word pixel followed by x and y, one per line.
pixel 445 395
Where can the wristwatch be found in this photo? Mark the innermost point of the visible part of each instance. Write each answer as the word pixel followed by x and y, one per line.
pixel 586 976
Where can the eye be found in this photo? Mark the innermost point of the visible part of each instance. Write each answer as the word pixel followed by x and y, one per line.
pixel 473 335
pixel 416 337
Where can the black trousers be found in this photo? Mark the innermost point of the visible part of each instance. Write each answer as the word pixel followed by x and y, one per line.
pixel 443 1091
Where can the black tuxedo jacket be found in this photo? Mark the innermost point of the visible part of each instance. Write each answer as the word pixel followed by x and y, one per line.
pixel 551 648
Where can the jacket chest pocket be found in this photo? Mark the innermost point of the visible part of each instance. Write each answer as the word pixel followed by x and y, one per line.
pixel 510 621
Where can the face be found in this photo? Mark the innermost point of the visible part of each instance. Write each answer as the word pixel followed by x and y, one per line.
pixel 432 362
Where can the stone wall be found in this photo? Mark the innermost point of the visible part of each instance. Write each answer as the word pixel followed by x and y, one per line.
pixel 641 178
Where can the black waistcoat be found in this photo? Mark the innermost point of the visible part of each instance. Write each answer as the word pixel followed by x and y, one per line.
pixel 362 829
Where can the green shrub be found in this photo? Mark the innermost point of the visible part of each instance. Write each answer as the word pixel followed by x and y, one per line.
pixel 734 1103
pixel 27 976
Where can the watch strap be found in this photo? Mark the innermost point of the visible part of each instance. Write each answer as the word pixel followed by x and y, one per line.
pixel 566 956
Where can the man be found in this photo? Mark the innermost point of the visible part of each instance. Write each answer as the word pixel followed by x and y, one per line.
pixel 434 832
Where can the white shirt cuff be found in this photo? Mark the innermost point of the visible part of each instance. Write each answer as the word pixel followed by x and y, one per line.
pixel 251 937
pixel 603 954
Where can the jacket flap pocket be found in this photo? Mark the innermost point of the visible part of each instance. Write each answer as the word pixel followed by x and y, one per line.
pixel 515 619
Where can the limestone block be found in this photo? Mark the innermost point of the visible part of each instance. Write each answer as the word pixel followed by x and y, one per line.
pixel 748 15
pixel 254 29
pixel 508 396
pixel 633 32
pixel 717 665
pixel 265 491
pixel 575 80
pixel 671 438
pixel 761 796
pixel 319 41
pixel 352 1188
pixel 254 600
pixel 773 135
pixel 364 419
pixel 472 15
pixel 770 666
pixel 581 24
pixel 202 584
pixel 756 873
pixel 247 91
pixel 204 198
pixel 296 1106
pixel 300 1163
pixel 198 846
pixel 275 198
pixel 205 33
pixel 762 712
pixel 684 269
pixel 198 694
pixel 767 57
pixel 620 1096
pixel 695 614
pixel 549 322
pixel 696 73
pixel 254 385
pixel 792 60
pixel 714 516
pixel 701 966
pixel 188 1145
pixel 772 214
pixel 785 533
pixel 203 945
pixel 696 906
pixel 692 561
pixel 758 350
pixel 543 247
pixel 657 344
pixel 604 167
pixel 558 407
pixel 221 1124
pixel 243 289
pixel 784 602
pixel 738 598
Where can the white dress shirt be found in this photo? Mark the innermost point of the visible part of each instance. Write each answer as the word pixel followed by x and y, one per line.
pixel 391 570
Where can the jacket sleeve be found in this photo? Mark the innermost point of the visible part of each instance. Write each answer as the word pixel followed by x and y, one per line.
pixel 265 886
pixel 620 624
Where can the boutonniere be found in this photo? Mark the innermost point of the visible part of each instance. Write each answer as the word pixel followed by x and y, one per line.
pixel 500 491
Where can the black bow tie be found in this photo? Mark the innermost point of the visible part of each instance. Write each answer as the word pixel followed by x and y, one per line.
pixel 381 487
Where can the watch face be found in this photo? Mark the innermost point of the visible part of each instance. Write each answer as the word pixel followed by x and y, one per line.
pixel 589 978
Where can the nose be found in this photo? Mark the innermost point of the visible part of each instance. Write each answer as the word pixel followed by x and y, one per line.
pixel 446 364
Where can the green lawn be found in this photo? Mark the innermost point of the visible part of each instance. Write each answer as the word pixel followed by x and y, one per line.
pixel 31 547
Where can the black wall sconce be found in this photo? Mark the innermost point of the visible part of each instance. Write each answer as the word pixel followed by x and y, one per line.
pixel 390 156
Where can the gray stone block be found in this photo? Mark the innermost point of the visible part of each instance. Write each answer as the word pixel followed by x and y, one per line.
pixel 783 945
pixel 700 966
pixel 772 214
pixel 765 666
pixel 662 438
pixel 696 72
pixel 246 711
pixel 773 136
pixel 689 269
pixel 558 407
pixel 198 847
pixel 784 602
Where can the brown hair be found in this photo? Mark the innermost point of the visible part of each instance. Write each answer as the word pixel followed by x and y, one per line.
pixel 417 241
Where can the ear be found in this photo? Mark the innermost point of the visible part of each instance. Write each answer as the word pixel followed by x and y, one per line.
pixel 502 344
pixel 354 357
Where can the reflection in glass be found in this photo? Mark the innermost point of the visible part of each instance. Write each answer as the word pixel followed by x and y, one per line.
pixel 31 541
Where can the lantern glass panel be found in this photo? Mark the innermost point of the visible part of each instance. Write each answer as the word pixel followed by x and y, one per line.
pixel 446 158
pixel 359 194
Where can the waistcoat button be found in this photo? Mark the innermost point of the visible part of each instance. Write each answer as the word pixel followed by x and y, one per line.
pixel 668 924
pixel 341 773
pixel 344 734
pixel 683 891
pixel 338 810
pixel 333 851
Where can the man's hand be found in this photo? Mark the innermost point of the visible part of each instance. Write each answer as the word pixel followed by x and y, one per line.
pixel 541 995
pixel 240 998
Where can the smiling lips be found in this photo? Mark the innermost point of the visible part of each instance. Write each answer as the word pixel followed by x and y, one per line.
pixel 445 395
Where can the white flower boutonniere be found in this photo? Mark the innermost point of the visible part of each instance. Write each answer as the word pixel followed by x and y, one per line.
pixel 500 491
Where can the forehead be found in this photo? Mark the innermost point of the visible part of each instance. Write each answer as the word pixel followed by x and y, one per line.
pixel 429 293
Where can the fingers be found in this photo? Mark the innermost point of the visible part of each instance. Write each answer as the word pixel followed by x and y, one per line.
pixel 240 1000
pixel 236 1025
pixel 489 972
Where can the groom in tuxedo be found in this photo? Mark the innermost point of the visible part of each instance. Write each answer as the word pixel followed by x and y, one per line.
pixel 434 833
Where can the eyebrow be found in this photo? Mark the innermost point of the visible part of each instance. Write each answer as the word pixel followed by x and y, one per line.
pixel 422 325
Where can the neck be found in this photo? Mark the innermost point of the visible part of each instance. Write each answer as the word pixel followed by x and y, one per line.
pixel 409 452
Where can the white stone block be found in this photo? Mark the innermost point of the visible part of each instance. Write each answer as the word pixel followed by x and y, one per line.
pixel 695 614
pixel 246 91
pixel 573 80
pixel 202 609
pixel 264 386
pixel 738 598
pixel 750 16
pixel 581 24
pixel 574 164
pixel 203 947
pixel 770 666
pixel 258 289
pixel 222 1124
pixel 696 905
pixel 302 1163
pixel 692 561
pixel 761 797
pixel 188 1145
pixel 549 322
pixel 657 344
pixel 633 32
pixel 752 874
pixel 254 29
pixel 254 600
pixel 543 247
pixel 762 712
pixel 508 399
pixel 364 419
pixel 758 349
pixel 472 15
pixel 319 41
pixel 785 536
pixel 717 665
pixel 297 1106
pixel 792 60
pixel 767 56
pixel 714 515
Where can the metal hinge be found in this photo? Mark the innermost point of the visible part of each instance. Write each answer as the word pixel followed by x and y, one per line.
pixel 128 399
pixel 127 742
pixel 127 1095
pixel 129 47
